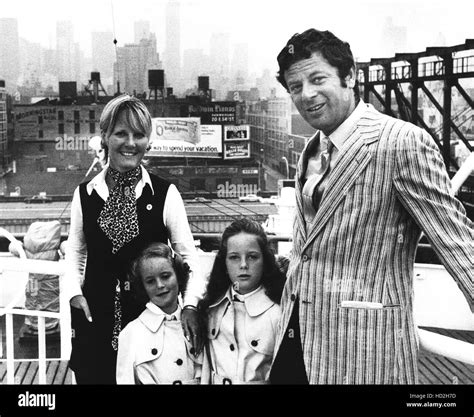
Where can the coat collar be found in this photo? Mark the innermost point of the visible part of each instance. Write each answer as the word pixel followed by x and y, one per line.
pixel 256 303
pixel 153 316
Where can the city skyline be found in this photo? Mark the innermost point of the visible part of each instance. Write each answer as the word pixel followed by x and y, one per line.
pixel 264 26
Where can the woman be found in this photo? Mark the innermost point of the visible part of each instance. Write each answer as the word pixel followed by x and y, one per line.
pixel 113 217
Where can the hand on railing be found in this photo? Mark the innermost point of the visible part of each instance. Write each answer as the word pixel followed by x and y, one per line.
pixel 80 302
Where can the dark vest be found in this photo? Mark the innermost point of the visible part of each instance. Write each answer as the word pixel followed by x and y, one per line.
pixel 105 269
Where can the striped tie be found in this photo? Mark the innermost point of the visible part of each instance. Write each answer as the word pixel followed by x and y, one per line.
pixel 311 194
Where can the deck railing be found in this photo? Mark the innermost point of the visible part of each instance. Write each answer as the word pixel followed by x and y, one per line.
pixel 429 341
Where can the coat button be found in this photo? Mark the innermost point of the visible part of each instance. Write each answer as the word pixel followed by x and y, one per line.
pixel 192 351
pixel 293 297
pixel 154 351
pixel 179 362
pixel 149 207
pixel 305 258
pixel 254 343
pixel 232 347
pixel 213 332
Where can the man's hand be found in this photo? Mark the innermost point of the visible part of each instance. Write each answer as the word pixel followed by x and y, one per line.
pixel 80 302
pixel 192 329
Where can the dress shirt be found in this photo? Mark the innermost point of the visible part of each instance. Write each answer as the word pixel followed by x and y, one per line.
pixel 337 138
pixel 174 218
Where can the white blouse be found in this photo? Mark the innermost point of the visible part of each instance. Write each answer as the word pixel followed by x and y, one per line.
pixel 174 218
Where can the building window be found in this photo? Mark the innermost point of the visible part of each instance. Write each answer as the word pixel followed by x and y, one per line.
pixel 92 115
pixel 61 128
pixel 40 134
pixel 40 119
pixel 77 128
pixel 91 127
pixel 60 115
pixel 76 114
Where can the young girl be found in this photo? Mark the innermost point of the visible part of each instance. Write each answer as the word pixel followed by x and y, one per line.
pixel 242 305
pixel 152 348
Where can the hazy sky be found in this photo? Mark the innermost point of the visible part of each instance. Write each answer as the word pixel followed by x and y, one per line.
pixel 265 25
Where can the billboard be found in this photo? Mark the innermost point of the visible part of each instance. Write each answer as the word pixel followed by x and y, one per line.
pixel 239 133
pixel 185 137
pixel 237 150
pixel 216 112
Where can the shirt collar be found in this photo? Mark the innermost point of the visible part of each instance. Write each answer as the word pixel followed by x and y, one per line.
pixel 100 186
pixel 256 302
pixel 153 316
pixel 345 128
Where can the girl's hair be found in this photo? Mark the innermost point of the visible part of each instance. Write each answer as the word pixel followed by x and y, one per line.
pixel 273 279
pixel 156 250
pixel 137 116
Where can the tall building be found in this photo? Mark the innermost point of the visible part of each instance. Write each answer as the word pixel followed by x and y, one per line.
pixel 9 53
pixel 133 63
pixel 239 66
pixel 141 30
pixel 394 38
pixel 3 129
pixel 31 62
pixel 65 51
pixel 219 53
pixel 103 56
pixel 195 63
pixel 172 53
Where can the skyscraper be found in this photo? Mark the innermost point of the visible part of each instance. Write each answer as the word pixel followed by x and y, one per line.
pixel 133 62
pixel 3 131
pixel 9 53
pixel 141 30
pixel 219 53
pixel 172 53
pixel 240 65
pixel 65 51
pixel 103 56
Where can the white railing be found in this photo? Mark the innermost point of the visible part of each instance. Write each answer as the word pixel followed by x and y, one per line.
pixel 424 312
pixel 21 268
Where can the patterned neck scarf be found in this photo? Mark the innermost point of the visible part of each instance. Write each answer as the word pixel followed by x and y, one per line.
pixel 118 218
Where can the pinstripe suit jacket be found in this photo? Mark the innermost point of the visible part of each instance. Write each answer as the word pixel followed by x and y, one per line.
pixel 388 183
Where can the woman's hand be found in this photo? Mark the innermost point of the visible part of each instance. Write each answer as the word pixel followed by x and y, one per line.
pixel 80 302
pixel 192 329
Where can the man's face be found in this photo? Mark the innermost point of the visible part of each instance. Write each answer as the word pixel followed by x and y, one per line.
pixel 318 94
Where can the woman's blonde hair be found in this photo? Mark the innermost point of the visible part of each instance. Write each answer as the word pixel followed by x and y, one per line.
pixel 137 115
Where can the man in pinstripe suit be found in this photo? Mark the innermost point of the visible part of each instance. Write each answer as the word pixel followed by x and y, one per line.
pixel 362 201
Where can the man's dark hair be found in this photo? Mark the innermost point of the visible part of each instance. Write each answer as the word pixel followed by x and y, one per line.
pixel 301 46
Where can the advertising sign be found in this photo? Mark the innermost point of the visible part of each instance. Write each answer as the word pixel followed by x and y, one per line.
pixel 239 133
pixel 185 137
pixel 216 112
pixel 237 150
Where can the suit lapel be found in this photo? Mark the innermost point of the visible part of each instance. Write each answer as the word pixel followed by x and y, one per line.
pixel 352 160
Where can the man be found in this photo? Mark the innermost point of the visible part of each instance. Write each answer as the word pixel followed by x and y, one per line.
pixel 366 185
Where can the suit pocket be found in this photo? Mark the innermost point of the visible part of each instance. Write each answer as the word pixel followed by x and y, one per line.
pixel 371 343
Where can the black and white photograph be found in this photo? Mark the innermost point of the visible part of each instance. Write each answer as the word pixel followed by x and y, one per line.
pixel 213 192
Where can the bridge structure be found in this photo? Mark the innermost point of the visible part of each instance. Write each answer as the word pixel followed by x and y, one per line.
pixel 433 89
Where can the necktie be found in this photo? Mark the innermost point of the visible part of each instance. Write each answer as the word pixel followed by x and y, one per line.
pixel 311 194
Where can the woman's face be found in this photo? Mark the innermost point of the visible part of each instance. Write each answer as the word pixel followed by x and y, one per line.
pixel 244 262
pixel 126 146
